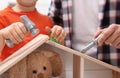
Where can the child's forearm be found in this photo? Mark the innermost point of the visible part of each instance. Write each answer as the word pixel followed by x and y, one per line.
pixel 1 48
pixel 2 42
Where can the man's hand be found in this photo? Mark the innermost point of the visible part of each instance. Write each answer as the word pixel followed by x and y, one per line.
pixel 110 35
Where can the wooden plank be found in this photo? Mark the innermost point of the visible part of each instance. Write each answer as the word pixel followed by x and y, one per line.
pixel 76 66
pixel 66 49
pixel 115 74
pixel 22 53
pixel 82 67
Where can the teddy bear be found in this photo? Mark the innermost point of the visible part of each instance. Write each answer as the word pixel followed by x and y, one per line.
pixel 44 64
pixel 39 64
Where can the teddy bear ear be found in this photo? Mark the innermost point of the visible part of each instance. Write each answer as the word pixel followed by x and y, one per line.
pixel 55 60
pixel 57 66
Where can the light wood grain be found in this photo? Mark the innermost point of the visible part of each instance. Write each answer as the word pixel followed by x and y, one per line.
pixel 76 66
pixel 82 67
pixel 115 74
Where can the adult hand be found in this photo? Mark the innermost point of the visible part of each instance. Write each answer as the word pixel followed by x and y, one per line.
pixel 110 35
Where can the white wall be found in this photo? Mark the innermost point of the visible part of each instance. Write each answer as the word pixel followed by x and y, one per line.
pixel 92 70
pixel 42 5
pixel 3 3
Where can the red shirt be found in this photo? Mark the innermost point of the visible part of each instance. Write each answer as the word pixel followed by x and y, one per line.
pixel 8 16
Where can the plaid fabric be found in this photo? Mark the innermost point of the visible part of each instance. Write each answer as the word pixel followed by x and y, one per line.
pixel 107 53
pixel 109 12
pixel 101 7
pixel 61 13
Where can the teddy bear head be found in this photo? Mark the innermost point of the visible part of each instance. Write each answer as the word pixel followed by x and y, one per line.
pixel 44 64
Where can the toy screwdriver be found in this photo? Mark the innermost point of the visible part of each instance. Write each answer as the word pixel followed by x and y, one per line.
pixel 91 44
pixel 29 25
pixel 51 37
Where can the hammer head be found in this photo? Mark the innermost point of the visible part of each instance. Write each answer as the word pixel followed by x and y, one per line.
pixel 30 26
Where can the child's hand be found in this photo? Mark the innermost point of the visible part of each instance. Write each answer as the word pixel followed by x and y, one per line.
pixel 58 33
pixel 16 32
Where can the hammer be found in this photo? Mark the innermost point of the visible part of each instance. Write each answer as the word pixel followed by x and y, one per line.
pixel 29 25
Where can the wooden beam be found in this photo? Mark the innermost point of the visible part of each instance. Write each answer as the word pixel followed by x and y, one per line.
pixel 76 66
pixel 82 67
pixel 68 50
pixel 115 74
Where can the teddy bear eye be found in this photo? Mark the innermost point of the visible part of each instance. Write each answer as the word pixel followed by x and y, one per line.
pixel 44 68
pixel 34 71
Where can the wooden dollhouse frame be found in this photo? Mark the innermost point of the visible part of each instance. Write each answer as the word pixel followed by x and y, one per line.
pixel 43 42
